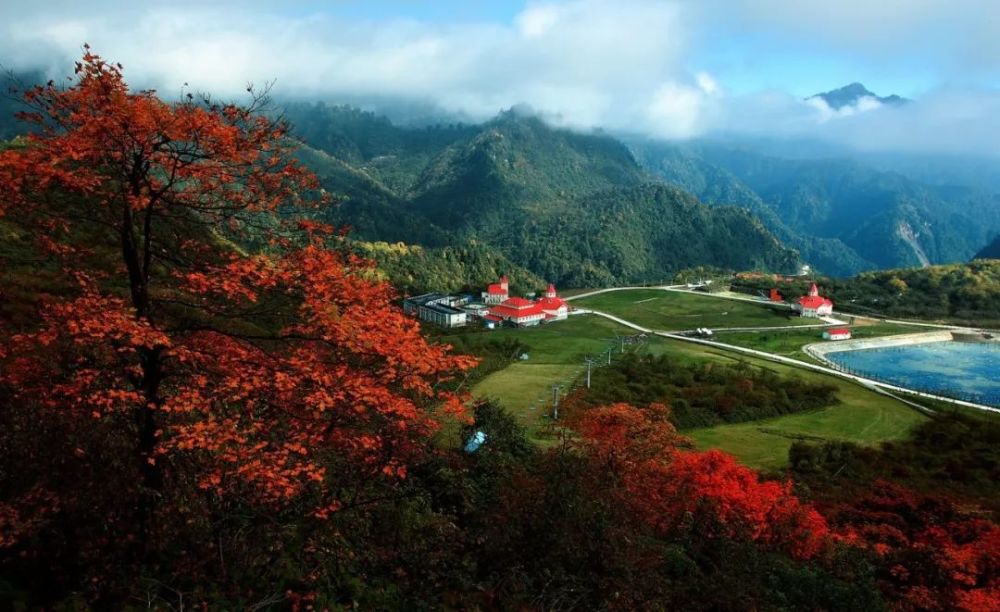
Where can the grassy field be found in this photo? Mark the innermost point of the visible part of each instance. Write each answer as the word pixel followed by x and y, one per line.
pixel 789 342
pixel 861 416
pixel 672 310
pixel 556 354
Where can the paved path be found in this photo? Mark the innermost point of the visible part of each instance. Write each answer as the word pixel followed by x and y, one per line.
pixel 758 301
pixel 771 327
pixel 867 382
pixel 610 289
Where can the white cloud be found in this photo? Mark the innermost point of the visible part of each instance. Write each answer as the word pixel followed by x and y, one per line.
pixel 954 35
pixel 708 84
pixel 583 61
pixel 535 21
pixel 623 65
pixel 676 111
pixel 827 112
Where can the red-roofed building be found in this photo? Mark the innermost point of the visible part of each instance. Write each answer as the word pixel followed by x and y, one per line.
pixel 497 293
pixel 554 307
pixel 813 304
pixel 837 334
pixel 519 311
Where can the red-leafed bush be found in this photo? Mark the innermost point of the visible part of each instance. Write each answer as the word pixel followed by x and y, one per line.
pixel 675 490
pixel 931 555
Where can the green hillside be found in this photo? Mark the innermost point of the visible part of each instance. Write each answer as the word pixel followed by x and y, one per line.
pixel 715 185
pixel 415 269
pixel 571 208
pixel 990 251
pixel 967 293
pixel 843 216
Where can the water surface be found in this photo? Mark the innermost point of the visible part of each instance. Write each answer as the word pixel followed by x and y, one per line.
pixel 964 370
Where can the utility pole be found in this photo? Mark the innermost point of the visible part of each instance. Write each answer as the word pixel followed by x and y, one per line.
pixel 555 402
pixel 590 362
pixel 623 344
pixel 609 356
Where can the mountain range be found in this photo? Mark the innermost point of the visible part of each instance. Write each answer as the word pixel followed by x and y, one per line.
pixel 453 205
pixel 546 199
pixel 843 215
pixel 576 209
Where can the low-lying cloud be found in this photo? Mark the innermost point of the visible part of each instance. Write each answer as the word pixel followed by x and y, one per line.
pixel 626 65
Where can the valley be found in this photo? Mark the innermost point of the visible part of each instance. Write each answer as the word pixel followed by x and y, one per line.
pixel 555 355
pixel 563 305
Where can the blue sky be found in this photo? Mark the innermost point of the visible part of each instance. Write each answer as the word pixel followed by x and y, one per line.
pixel 745 60
pixel 666 68
pixel 501 11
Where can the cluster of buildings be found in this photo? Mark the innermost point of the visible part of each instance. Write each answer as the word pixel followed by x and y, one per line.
pixel 496 307
pixel 438 308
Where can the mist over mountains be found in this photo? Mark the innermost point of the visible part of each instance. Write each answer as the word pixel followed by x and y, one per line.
pixel 499 181
pixel 853 95
pixel 659 69
pixel 586 208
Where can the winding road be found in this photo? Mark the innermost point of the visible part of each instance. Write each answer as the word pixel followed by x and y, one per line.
pixel 880 387
pixel 728 296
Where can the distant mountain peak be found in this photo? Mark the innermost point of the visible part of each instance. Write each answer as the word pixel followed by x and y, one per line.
pixel 849 95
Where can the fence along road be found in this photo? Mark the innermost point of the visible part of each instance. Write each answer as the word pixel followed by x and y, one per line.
pixel 866 382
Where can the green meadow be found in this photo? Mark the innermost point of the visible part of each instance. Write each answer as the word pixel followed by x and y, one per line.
pixel 556 353
pixel 789 342
pixel 672 310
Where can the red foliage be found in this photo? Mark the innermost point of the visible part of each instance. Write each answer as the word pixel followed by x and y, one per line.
pixel 266 376
pixel 931 555
pixel 674 490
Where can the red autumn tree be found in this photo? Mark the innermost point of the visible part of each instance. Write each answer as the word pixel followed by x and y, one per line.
pixel 287 374
pixel 930 555
pixel 672 489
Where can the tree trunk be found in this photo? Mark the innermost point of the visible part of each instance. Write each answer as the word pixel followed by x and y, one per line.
pixel 151 362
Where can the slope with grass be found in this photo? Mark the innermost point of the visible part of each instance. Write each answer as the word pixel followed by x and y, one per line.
pixel 862 416
pixel 672 310
pixel 789 342
pixel 556 353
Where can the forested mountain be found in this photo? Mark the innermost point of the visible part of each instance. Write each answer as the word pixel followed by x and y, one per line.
pixel 842 215
pixel 576 209
pixel 526 194
pixel 714 184
pixel 990 251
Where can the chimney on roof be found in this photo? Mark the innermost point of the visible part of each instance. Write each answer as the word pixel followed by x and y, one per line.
pixel 813 290
pixel 551 291
pixel 503 283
